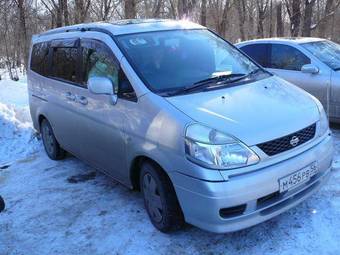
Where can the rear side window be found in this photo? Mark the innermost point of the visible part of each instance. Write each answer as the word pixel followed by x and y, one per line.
pixel 258 52
pixel 287 57
pixel 64 64
pixel 39 58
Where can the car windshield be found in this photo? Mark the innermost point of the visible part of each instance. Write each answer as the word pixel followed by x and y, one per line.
pixel 177 59
pixel 328 52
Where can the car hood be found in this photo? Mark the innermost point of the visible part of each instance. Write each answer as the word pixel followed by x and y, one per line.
pixel 255 112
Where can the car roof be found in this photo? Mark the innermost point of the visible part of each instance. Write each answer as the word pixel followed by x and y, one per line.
pixel 288 40
pixel 128 26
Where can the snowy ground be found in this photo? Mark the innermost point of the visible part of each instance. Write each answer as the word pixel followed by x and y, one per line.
pixel 66 207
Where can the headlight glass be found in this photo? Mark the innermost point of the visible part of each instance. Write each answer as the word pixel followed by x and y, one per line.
pixel 323 124
pixel 211 148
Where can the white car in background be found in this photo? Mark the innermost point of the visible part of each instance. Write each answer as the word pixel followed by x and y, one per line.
pixel 310 63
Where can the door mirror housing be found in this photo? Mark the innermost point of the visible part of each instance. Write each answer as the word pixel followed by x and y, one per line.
pixel 310 68
pixel 100 85
pixel 103 86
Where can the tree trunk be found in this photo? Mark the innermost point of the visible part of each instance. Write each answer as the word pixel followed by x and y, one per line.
pixel 23 30
pixel 271 19
pixel 325 21
pixel 130 9
pixel 184 8
pixel 81 10
pixel 307 20
pixel 262 6
pixel 241 8
pixel 156 9
pixel 279 20
pixel 66 14
pixel 203 18
pixel 295 18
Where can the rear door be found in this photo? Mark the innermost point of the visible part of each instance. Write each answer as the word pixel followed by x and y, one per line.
pixel 62 84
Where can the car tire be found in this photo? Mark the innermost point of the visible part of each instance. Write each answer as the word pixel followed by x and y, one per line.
pixel 51 145
pixel 160 199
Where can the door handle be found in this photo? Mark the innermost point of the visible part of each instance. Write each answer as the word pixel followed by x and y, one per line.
pixel 82 100
pixel 69 96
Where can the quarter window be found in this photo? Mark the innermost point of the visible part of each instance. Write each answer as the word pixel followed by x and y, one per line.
pixel 287 57
pixel 64 64
pixel 39 58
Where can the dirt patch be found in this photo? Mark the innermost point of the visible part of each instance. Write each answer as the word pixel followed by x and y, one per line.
pixel 82 177
pixel 4 167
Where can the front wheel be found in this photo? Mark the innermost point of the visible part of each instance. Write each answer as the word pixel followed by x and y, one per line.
pixel 160 199
pixel 51 145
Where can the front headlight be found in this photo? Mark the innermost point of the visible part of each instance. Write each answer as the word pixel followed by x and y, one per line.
pixel 213 149
pixel 323 123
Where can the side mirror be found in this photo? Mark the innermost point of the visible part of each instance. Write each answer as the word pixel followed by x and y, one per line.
pixel 310 68
pixel 103 86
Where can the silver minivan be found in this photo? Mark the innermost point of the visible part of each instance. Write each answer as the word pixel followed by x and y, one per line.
pixel 171 109
pixel 313 64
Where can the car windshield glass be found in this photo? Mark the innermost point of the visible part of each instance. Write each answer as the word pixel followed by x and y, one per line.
pixel 176 59
pixel 328 52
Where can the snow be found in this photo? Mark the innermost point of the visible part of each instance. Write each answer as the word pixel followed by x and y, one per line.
pixel 65 207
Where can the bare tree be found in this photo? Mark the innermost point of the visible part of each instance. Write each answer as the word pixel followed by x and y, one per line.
pixel 130 9
pixel 241 8
pixel 23 31
pixel 294 13
pixel 307 19
pixel 262 6
pixel 203 17
pixel 185 7
pixel 221 10
pixel 66 13
pixel 279 20
pixel 81 10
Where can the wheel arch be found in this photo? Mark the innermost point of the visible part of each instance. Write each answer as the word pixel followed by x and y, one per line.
pixel 135 169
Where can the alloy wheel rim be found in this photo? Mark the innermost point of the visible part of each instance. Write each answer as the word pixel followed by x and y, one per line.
pixel 152 198
pixel 48 139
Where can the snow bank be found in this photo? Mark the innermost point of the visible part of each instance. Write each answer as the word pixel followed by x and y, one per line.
pixel 17 136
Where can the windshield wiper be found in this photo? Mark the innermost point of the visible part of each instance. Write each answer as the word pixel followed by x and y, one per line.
pixel 216 81
pixel 243 77
pixel 203 83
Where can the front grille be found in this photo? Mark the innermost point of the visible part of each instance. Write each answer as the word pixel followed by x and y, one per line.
pixel 282 144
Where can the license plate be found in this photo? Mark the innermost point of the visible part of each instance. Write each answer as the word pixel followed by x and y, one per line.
pixel 297 178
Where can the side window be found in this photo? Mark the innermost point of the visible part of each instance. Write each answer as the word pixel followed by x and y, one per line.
pixel 258 52
pixel 64 63
pixel 99 61
pixel 287 57
pixel 39 58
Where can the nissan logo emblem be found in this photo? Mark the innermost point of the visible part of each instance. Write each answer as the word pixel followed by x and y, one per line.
pixel 294 141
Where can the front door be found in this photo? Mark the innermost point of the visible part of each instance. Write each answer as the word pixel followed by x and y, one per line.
pixel 286 62
pixel 101 125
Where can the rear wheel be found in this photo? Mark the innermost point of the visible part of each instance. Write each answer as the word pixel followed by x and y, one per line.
pixel 51 145
pixel 160 199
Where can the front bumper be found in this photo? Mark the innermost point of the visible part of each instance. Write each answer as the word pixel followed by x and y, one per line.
pixel 253 196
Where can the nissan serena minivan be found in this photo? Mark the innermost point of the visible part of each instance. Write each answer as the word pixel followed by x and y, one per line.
pixel 173 110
